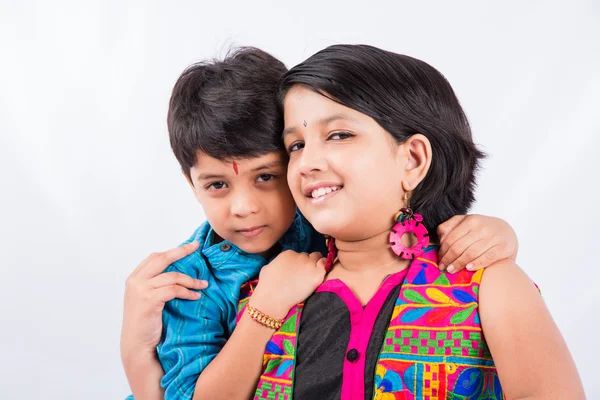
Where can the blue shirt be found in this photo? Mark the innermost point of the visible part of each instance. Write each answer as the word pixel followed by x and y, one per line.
pixel 195 331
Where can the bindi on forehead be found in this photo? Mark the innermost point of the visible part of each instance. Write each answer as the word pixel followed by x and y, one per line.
pixel 304 123
pixel 235 168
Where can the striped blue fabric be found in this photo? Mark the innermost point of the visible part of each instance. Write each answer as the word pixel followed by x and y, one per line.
pixel 195 331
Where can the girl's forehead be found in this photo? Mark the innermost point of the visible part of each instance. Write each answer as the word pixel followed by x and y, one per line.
pixel 307 109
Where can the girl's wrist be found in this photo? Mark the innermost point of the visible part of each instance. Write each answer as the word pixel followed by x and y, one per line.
pixel 269 306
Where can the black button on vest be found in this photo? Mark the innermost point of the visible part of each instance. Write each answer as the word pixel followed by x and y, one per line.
pixel 352 355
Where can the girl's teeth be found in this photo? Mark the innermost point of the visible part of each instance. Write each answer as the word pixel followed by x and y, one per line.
pixel 323 191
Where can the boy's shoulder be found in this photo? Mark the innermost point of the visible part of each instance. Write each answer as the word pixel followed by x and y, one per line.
pixel 306 238
pixel 194 264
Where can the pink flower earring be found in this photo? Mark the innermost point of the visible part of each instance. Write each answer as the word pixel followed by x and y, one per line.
pixel 408 222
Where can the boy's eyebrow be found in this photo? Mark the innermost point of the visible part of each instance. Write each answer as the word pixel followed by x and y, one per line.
pixel 324 121
pixel 210 176
pixel 268 166
pixel 207 176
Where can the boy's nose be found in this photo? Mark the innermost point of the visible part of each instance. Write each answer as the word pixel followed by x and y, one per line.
pixel 243 205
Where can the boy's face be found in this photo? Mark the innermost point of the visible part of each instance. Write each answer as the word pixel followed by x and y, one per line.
pixel 246 201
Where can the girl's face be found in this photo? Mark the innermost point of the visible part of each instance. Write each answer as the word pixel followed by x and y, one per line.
pixel 346 173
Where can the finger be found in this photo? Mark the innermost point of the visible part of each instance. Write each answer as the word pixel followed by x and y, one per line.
pixel 168 293
pixel 177 278
pixel 472 252
pixel 160 261
pixel 490 256
pixel 444 228
pixel 143 264
pixel 315 256
pixel 457 249
pixel 321 262
pixel 448 250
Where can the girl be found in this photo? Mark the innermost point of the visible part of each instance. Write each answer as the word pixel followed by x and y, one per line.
pixel 466 241
pixel 381 152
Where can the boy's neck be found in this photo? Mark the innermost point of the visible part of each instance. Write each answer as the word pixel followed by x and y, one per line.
pixel 276 249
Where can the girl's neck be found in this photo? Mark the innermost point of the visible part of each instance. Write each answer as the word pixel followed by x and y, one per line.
pixel 363 265
pixel 368 255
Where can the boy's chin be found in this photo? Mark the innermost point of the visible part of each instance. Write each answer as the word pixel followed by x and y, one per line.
pixel 259 247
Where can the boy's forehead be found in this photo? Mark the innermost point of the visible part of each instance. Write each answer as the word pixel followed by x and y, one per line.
pixel 240 165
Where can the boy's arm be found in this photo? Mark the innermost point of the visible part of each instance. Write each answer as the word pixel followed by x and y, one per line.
pixel 144 375
pixel 530 354
pixel 146 291
pixel 193 334
pixel 475 242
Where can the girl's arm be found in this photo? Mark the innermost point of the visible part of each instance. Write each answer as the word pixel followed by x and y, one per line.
pixel 530 354
pixel 288 280
pixel 234 373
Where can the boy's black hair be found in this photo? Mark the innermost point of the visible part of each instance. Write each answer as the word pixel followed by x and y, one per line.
pixel 226 108
pixel 405 96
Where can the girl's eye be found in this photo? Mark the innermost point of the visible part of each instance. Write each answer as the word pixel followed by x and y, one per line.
pixel 340 136
pixel 265 177
pixel 216 185
pixel 295 147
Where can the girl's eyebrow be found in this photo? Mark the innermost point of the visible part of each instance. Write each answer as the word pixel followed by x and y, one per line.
pixel 323 121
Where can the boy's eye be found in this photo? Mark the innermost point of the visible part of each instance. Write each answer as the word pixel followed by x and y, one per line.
pixel 295 147
pixel 265 177
pixel 340 136
pixel 216 185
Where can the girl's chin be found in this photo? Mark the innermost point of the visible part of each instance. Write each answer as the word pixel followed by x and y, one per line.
pixel 333 229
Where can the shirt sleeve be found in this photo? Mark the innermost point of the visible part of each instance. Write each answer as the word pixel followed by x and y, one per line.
pixel 193 334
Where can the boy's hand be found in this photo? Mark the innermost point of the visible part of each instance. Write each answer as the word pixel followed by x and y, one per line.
pixel 288 280
pixel 146 291
pixel 475 242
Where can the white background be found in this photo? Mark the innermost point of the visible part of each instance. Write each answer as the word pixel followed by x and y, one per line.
pixel 89 186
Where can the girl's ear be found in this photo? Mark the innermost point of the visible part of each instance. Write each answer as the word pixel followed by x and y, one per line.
pixel 417 151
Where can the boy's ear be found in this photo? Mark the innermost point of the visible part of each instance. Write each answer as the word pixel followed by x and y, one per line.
pixel 187 178
pixel 189 181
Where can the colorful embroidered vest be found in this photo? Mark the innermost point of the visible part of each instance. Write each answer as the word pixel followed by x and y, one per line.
pixel 434 347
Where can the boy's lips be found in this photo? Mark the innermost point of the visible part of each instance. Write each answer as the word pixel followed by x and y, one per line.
pixel 251 232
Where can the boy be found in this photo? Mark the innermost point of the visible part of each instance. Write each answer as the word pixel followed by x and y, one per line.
pixel 225 131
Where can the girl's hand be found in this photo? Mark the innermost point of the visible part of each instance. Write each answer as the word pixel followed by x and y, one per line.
pixel 475 242
pixel 288 280
pixel 146 291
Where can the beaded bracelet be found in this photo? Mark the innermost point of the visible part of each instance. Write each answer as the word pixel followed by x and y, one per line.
pixel 264 319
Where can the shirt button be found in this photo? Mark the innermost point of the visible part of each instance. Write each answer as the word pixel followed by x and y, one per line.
pixel 225 247
pixel 352 355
